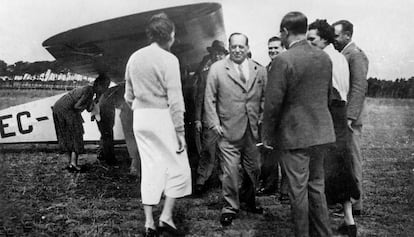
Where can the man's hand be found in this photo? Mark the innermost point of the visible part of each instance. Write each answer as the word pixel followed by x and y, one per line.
pixel 95 113
pixel 218 130
pixel 198 126
pixel 181 142
pixel 350 121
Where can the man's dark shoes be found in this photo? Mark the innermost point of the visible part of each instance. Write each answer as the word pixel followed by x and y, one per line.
pixel 227 218
pixel 166 228
pixel 349 230
pixel 150 232
pixel 265 192
pixel 254 210
pixel 198 189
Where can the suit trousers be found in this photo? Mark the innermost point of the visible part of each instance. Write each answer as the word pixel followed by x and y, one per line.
pixel 357 162
pixel 106 143
pixel 269 174
pixel 207 156
pixel 234 154
pixel 305 174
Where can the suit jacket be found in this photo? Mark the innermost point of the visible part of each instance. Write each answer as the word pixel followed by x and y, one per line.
pixel 358 69
pixel 296 113
pixel 229 102
pixel 200 89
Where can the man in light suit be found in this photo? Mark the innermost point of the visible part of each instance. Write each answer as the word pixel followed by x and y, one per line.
pixel 233 105
pixel 298 121
pixel 358 69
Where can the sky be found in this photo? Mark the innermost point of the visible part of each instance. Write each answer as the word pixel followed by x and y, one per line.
pixel 382 28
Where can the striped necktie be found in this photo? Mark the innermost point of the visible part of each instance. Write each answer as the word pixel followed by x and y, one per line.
pixel 242 77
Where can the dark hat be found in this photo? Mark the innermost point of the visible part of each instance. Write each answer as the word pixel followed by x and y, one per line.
pixel 217 45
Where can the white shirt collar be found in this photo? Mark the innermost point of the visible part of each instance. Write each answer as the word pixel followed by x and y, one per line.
pixel 244 66
pixel 329 48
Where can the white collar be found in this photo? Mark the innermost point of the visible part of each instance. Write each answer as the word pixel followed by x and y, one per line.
pixel 329 48
pixel 244 64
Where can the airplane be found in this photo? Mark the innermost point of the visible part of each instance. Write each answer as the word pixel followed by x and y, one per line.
pixel 105 47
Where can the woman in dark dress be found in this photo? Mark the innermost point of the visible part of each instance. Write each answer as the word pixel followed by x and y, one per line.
pixel 68 119
pixel 340 181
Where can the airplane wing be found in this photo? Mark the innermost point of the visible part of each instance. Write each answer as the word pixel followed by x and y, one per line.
pixel 106 46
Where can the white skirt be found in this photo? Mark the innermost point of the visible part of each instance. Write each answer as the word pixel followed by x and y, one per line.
pixel 162 169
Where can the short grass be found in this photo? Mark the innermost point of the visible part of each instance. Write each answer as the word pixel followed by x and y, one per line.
pixel 38 198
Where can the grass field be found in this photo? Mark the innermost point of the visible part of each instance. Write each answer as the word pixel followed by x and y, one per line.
pixel 38 198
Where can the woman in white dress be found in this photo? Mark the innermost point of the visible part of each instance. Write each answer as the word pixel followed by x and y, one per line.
pixel 153 90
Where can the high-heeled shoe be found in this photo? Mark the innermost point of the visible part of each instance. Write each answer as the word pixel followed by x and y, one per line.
pixel 73 168
pixel 165 227
pixel 350 230
pixel 150 232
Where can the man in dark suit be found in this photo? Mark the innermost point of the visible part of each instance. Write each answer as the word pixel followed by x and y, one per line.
pixel 297 120
pixel 114 98
pixel 207 148
pixel 269 175
pixel 233 105
pixel 358 69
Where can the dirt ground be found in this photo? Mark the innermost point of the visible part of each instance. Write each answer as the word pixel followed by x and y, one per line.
pixel 39 198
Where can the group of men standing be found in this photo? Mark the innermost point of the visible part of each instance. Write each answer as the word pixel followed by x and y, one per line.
pixel 255 118
pixel 283 108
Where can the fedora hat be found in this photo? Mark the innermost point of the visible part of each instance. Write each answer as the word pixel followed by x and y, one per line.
pixel 217 45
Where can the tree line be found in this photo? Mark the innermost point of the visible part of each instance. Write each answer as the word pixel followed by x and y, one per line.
pixel 400 88
pixel 35 68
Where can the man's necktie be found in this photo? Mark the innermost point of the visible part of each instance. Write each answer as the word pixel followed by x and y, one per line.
pixel 242 77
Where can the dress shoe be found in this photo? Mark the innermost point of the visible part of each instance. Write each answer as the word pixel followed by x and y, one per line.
pixel 199 189
pixel 73 168
pixel 265 192
pixel 254 209
pixel 227 218
pixel 150 232
pixel 350 230
pixel 166 228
